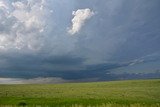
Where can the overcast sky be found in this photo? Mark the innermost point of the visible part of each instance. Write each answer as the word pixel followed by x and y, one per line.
pixel 76 39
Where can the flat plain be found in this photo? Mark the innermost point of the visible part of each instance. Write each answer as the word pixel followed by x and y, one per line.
pixel 131 93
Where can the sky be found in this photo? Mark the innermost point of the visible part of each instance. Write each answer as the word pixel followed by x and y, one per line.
pixel 71 40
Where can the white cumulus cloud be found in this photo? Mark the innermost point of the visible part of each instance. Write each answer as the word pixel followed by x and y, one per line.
pixel 2 5
pixel 79 19
pixel 22 24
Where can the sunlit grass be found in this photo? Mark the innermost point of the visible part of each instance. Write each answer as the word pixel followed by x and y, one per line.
pixel 137 93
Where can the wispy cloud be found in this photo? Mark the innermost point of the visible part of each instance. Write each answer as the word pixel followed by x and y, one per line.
pixel 42 80
pixel 10 81
pixel 79 19
pixel 38 80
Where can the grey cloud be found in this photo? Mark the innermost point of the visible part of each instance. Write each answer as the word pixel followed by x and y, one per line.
pixel 40 63
pixel 122 32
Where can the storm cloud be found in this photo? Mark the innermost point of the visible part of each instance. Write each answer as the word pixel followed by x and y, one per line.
pixel 36 41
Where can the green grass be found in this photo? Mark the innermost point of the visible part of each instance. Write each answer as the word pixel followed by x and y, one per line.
pixel 134 93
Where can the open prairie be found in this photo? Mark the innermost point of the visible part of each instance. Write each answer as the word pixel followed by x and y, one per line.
pixel 132 93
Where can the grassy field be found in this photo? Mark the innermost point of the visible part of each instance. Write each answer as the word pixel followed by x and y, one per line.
pixel 134 93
